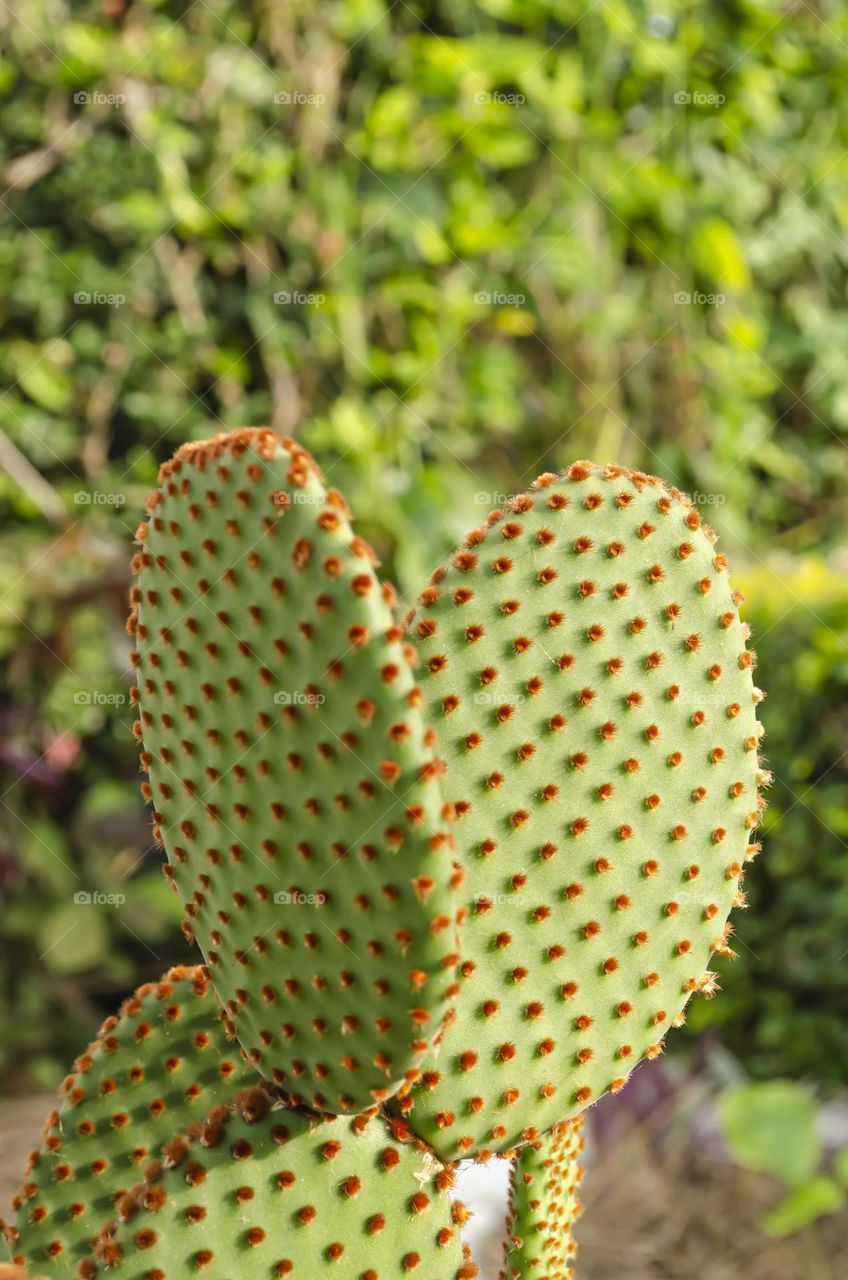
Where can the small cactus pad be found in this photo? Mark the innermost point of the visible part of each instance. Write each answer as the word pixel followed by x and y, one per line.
pixel 293 778
pixel 587 674
pixel 281 1193
pixel 544 1206
pixel 162 1062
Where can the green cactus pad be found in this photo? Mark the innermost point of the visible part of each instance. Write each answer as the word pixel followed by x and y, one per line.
pixel 287 1194
pixel 163 1061
pixel 588 678
pixel 544 1206
pixel 293 777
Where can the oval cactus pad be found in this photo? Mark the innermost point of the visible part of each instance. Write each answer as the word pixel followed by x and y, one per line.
pixel 283 1194
pixel 164 1061
pixel 544 1206
pixel 293 778
pixel 587 673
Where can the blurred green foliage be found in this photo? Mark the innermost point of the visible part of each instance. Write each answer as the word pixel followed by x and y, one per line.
pixel 450 245
pixel 774 1128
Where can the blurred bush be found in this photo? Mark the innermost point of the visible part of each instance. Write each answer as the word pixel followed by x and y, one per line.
pixel 773 1127
pixel 451 245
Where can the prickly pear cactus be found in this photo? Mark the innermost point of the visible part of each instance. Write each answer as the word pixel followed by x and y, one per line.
pixel 586 724
pixel 286 1194
pixel 162 1062
pixel 544 1206
pixel 293 777
pixel 588 677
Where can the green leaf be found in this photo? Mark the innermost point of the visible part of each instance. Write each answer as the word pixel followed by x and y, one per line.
pixel 840 1165
pixel 73 937
pixel 103 798
pixel 152 906
pixel 803 1205
pixel 41 379
pixel 719 257
pixel 430 243
pixel 772 1127
pixel 45 853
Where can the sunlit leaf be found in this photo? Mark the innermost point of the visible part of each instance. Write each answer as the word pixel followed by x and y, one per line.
pixel 772 1127
pixel 803 1205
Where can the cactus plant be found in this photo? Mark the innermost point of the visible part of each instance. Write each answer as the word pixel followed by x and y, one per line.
pixel 544 1205
pixel 279 1193
pixel 441 919
pixel 290 764
pixel 164 1061
pixel 587 672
